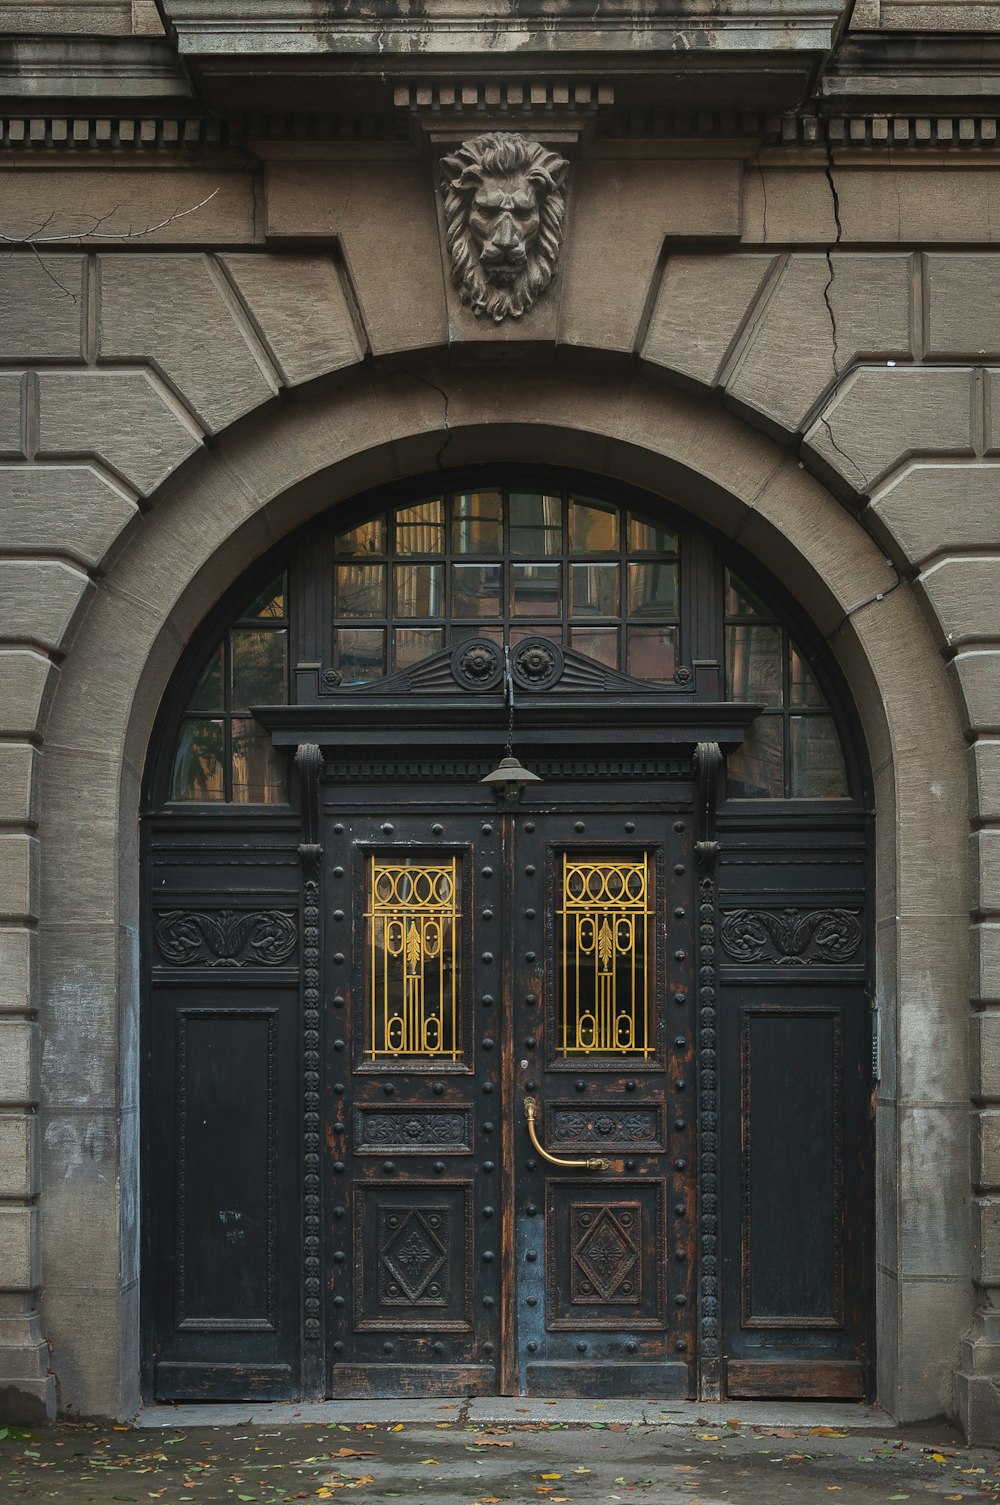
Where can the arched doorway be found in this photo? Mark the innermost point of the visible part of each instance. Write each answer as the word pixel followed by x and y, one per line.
pixel 381 999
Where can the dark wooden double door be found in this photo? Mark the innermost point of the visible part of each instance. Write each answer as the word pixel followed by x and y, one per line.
pixel 486 965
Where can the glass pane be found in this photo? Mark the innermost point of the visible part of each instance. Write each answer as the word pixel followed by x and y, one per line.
pixel 652 590
pixel 542 630
pixel 817 771
pixel 803 687
pixel 208 692
pixel 420 529
pixel 260 774
pixel 360 590
pixel 753 664
pixel 419 590
pixel 535 523
pixel 594 590
pixel 259 659
pixel 463 631
pixel 754 769
pixel 475 590
pixel 411 644
pixel 477 523
pixel 651 652
pixel 535 590
pixel 596 642
pixel 366 538
pixel 741 601
pixel 270 602
pixel 593 528
pixel 359 653
pixel 198 772
pixel 646 537
pixel 413 958
pixel 604 988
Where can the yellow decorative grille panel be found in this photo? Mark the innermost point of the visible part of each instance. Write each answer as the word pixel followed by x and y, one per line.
pixel 414 920
pixel 604 1004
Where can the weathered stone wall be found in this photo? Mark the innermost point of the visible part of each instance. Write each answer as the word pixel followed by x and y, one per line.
pixel 172 407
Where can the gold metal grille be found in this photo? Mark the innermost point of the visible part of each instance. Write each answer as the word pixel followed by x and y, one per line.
pixel 413 925
pixel 604 1007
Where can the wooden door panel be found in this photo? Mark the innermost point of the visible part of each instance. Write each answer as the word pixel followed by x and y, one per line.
pixel 604 1265
pixel 413 1256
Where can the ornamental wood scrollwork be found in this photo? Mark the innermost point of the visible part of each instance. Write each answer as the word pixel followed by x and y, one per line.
pixel 504 205
pixel 793 937
pixel 226 937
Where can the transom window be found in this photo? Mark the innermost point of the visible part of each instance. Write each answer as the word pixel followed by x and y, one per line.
pixel 506 564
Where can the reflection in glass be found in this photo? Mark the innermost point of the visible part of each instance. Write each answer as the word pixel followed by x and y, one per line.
pixel 359 653
pixel 360 590
pixel 198 762
pixel 753 664
pixel 475 590
pixel 541 630
pixel 803 687
pixel 420 529
pixel 754 769
pixel 411 644
pixel 651 652
pixel 596 642
pixel 817 771
pixel 477 523
pixel 270 602
pixel 605 993
pixel 741 600
pixel 535 590
pixel 593 528
pixel 413 920
pixel 419 590
pixel 209 690
pixel 258 667
pixel 646 537
pixel 594 590
pixel 652 590
pixel 535 523
pixel 259 772
pixel 366 538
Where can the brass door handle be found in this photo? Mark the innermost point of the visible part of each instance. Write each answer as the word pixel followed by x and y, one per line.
pixel 594 1163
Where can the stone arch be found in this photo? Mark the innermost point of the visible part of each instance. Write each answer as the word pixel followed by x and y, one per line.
pixel 272 471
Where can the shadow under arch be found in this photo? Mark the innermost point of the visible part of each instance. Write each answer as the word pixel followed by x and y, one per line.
pixel 280 467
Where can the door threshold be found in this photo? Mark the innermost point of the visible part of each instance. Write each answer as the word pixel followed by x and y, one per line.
pixel 511 1410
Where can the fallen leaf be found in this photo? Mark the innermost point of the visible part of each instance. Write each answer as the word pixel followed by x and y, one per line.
pixel 350 1453
pixel 830 1432
pixel 493 1442
pixel 398 1427
pixel 550 1476
pixel 435 1461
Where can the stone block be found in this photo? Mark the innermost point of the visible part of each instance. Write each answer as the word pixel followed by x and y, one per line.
pixel 85 1326
pixel 700 309
pixel 27 1388
pixel 24 676
pixel 38 598
pixel 932 1000
pixel 364 205
pixel 299 310
pixel 207 348
pixel 887 1187
pixel 79 1174
pixel 985 942
pixel 933 1209
pixel 18 783
pixel 986 871
pixel 933 207
pixel 931 507
pixel 128 419
pixel 936 15
pixel 71 510
pixel 12 437
pixel 634 205
pixel 18 1155
pixel 882 414
pixel 963 595
pixel 43 306
pixel 18 969
pixel 79 973
pixel 986 1149
pixel 933 1315
pixel 986 1240
pixel 817 319
pixel 18 1062
pixel 977 678
pixel 962 303
pixel 19 1253
pixel 887 1338
pixel 984 779
pixel 783 206
pixel 194 207
pixel 991 393
pixel 18 877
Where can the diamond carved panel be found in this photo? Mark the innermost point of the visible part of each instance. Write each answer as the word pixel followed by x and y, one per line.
pixel 604 1259
pixel 412 1251
pixel 413 1259
pixel 606 1265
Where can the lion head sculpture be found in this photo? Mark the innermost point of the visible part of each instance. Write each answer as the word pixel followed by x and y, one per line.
pixel 503 208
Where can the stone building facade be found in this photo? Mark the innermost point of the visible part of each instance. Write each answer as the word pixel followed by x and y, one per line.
pixel 227 306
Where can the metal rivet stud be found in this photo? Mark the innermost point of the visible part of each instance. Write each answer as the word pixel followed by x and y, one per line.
pixel 531 1301
pixel 680 1255
pixel 340 1212
pixel 338 914
pixel 529 825
pixel 338 957
pixel 338 1302
pixel 338 872
pixel 680 1041
pixel 437 1088
pixel 487 872
pixel 487 1088
pixel 487 829
pixel 436 829
pixel 338 1088
pixel 530 1043
pixel 680 956
pixel 487 914
pixel 530 869
pixel 437 1347
pixel 339 1256
pixel 388 1166
pixel 679 912
pixel 581 1348
pixel 679 1123
pixel 338 1001
pixel 530 1086
pixel 488 1256
pixel 387 1348
pixel 439 1166
pixel 680 1084
pixel 580 1086
pixel 487 957
pixel 578 825
pixel 629 1086
pixel 487 1128
pixel 680 1165
pixel 532 1346
pixel 487 1043
pixel 338 1347
pixel 681 1346
pixel 488 1301
pixel 529 914
pixel 338 829
pixel 387 828
pixel 338 1044
pixel 339 1167
pixel 531 1209
pixel 388 1089
pixel 678 826
pixel 631 1346
pixel 529 956
pixel 338 1127
pixel 531 1165
pixel 487 1212
pixel 680 998
pixel 680 1301
pixel 679 869
pixel 487 1348
pixel 630 826
pixel 531 999
pixel 487 1166
pixel 679 1209
pixel 630 1165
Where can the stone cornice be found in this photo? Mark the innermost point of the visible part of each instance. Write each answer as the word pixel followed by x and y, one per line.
pixel 44 69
